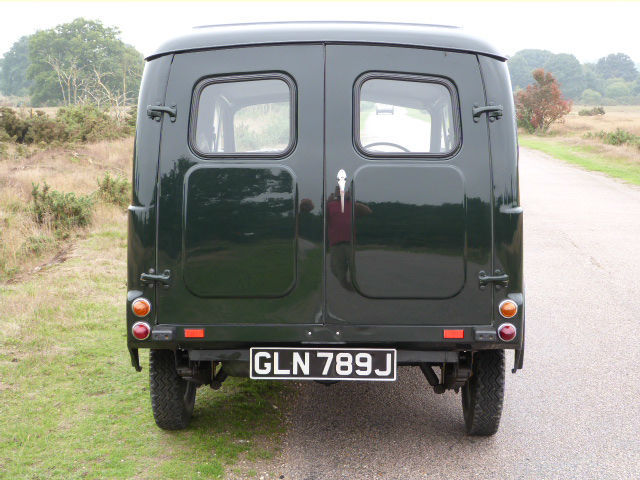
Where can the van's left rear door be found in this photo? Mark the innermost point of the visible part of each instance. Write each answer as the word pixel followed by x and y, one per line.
pixel 240 187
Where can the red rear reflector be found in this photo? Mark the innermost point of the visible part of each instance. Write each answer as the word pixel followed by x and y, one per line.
pixel 194 333
pixel 141 330
pixel 454 334
pixel 507 332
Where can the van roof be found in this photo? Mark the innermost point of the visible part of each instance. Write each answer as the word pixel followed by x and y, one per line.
pixel 407 34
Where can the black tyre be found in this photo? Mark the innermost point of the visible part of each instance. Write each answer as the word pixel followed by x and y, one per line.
pixel 172 398
pixel 483 394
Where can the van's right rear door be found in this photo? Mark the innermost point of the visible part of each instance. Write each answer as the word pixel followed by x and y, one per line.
pixel 411 232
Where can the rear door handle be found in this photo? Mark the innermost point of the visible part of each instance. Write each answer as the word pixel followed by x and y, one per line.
pixel 342 181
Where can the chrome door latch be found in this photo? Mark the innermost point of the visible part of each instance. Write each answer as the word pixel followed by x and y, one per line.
pixel 342 177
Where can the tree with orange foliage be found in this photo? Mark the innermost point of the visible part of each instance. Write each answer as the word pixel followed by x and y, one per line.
pixel 541 104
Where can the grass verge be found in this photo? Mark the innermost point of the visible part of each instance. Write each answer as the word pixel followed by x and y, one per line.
pixel 72 407
pixel 586 156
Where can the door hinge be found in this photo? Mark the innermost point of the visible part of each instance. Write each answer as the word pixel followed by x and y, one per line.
pixel 500 279
pixel 152 278
pixel 156 111
pixel 494 112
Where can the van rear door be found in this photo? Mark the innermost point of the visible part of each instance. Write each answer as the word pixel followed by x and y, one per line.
pixel 239 187
pixel 408 235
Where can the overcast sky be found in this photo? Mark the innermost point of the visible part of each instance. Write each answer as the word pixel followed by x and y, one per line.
pixel 589 30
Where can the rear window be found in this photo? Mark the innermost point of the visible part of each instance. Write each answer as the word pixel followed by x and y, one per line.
pixel 244 115
pixel 406 115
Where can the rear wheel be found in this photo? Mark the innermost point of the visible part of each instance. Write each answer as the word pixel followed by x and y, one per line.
pixel 172 397
pixel 483 394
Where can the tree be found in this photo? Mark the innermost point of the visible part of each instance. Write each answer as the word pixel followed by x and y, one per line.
pixel 617 65
pixel 13 79
pixel 568 71
pixel 591 97
pixel 83 61
pixel 618 89
pixel 541 104
pixel 523 63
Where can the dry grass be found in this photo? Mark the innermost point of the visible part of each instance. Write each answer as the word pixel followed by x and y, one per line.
pixel 24 244
pixel 626 117
pixel 572 130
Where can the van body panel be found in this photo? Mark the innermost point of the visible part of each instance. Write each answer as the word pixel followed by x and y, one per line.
pixel 141 248
pixel 246 237
pixel 380 33
pixel 231 228
pixel 239 236
pixel 412 244
pixel 440 277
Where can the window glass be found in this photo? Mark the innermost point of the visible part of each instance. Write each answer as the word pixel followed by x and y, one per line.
pixel 251 116
pixel 406 116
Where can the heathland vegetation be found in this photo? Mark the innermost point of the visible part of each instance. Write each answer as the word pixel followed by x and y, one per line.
pixel 79 62
pixel 612 80
pixel 66 383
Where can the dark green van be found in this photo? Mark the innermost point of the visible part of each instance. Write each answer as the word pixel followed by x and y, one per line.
pixel 326 201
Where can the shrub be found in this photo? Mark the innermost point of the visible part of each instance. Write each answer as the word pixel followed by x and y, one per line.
pixel 14 125
pixel 589 112
pixel 36 244
pixel 132 118
pixel 114 189
pixel 63 211
pixel 618 137
pixel 541 104
pixel 88 123
pixel 44 129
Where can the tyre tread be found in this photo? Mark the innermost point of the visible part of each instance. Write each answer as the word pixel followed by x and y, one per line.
pixel 167 392
pixel 487 401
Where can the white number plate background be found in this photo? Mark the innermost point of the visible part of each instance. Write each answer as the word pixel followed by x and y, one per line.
pixel 281 363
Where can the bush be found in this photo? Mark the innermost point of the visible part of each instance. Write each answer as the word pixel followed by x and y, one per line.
pixel 114 189
pixel 14 126
pixel 541 104
pixel 36 244
pixel 618 137
pixel 88 123
pixel 63 211
pixel 44 129
pixel 132 119
pixel 79 123
pixel 589 112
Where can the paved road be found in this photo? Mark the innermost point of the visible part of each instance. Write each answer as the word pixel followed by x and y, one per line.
pixel 574 412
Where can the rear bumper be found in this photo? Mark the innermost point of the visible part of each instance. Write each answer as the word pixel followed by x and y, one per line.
pixel 407 337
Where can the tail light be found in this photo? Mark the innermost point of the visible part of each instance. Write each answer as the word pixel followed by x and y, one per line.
pixel 141 307
pixel 141 330
pixel 508 308
pixel 506 332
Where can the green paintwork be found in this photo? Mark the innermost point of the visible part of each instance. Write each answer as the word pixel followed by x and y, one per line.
pixel 246 237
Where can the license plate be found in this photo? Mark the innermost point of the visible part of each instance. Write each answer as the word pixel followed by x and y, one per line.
pixel 377 364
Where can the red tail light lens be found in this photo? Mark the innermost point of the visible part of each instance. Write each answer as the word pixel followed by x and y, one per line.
pixel 506 332
pixel 141 330
pixel 141 307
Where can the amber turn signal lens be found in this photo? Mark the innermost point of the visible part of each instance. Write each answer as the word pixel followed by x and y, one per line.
pixel 141 307
pixel 141 330
pixel 508 308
